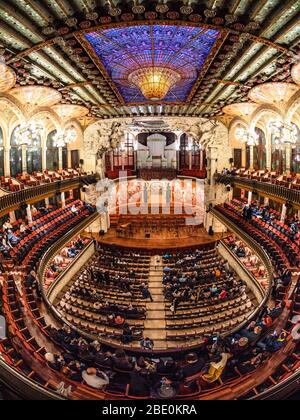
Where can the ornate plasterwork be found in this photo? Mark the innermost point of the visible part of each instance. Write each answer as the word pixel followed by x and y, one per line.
pixel 103 136
pixel 107 135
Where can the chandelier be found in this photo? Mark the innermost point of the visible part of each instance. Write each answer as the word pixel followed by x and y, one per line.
pixel 27 133
pixel 154 82
pixel 283 133
pixel 244 135
pixel 64 137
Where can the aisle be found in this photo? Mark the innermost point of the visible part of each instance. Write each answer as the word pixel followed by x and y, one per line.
pixel 155 323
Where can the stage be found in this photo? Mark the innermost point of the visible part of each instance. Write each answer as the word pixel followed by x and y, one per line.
pixel 202 239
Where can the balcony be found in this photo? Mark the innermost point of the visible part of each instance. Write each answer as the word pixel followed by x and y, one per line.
pixel 12 201
pixel 276 192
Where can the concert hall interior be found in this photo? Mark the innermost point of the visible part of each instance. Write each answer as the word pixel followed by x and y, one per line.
pixel 149 200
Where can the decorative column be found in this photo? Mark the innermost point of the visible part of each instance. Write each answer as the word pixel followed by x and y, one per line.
pixel 201 160
pixel 60 158
pixel 63 199
pixel 123 160
pixel 111 155
pixel 44 158
pixel 69 159
pixel 283 213
pixel 288 154
pixel 29 214
pixel 12 217
pixel 24 158
pixel 7 161
pixel 268 151
pixel 244 153
pixel 249 197
pixel 213 155
pixel 190 159
pixel 178 160
pixel 251 157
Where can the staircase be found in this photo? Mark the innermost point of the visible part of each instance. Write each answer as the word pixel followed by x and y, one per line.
pixel 155 323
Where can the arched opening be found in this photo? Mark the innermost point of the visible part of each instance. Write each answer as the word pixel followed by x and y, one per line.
pixel 259 152
pixel 34 156
pixel 51 153
pixel 15 155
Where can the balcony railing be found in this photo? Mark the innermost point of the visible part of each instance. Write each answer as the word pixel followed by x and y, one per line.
pixel 13 200
pixel 257 249
pixel 265 188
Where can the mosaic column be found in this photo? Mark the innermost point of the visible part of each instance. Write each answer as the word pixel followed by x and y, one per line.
pixel 24 158
pixel 283 213
pixel 251 157
pixel 60 158
pixel 288 153
pixel 7 161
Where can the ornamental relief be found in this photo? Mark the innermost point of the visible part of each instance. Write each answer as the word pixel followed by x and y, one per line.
pixel 103 136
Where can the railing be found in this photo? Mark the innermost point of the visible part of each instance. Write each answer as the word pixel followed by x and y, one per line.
pixel 258 250
pixel 53 250
pixel 254 280
pixel 67 269
pixel 266 188
pixel 15 199
pixel 22 387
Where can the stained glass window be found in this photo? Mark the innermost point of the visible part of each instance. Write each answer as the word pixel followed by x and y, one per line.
pixel 126 49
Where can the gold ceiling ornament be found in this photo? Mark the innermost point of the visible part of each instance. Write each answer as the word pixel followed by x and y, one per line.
pixel 241 109
pixel 7 78
pixel 154 82
pixel 296 73
pixel 69 111
pixel 34 96
pixel 273 93
pixel 87 120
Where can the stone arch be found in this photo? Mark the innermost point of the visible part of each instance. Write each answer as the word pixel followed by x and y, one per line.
pixel 292 107
pixel 264 110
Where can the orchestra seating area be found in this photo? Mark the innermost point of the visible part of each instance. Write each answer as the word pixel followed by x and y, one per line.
pixel 202 297
pixel 105 296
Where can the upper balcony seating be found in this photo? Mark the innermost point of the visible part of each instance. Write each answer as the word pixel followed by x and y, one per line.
pixel 10 185
pixel 277 255
pixel 270 224
pixel 44 231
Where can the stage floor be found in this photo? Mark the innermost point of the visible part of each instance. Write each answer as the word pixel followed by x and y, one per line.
pixel 110 238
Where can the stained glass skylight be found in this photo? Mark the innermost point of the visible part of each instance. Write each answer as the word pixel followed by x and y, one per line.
pixel 126 49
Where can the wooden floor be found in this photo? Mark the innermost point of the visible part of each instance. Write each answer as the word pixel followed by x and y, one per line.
pixel 110 238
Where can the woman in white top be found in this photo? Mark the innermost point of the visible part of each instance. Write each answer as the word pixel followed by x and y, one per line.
pixel 95 379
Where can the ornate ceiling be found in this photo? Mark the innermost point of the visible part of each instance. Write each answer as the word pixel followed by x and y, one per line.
pixel 124 50
pixel 61 44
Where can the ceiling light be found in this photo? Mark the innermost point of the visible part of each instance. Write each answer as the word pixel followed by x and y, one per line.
pixel 154 82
